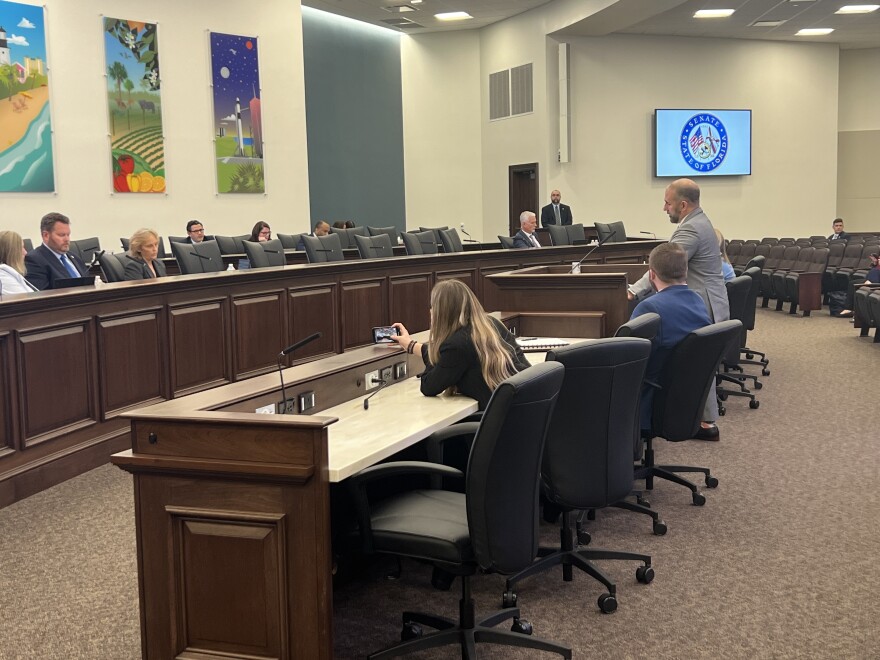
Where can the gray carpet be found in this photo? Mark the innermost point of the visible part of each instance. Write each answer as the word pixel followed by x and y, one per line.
pixel 778 564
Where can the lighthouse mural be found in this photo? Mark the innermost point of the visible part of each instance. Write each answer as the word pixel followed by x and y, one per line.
pixel 238 124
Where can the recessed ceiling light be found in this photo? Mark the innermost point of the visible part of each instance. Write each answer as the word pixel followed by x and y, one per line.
pixel 767 23
pixel 399 9
pixel 453 16
pixel 714 13
pixel 415 2
pixel 813 32
pixel 857 9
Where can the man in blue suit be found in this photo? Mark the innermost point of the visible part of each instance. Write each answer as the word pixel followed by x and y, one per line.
pixel 681 312
pixel 52 262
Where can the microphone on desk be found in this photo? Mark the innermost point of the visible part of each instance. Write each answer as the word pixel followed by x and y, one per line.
pixel 469 239
pixel 272 251
pixel 287 351
pixel 96 258
pixel 649 233
pixel 382 383
pixel 594 248
pixel 200 256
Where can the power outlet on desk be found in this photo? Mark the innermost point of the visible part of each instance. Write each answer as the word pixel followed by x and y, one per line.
pixel 400 370
pixel 386 374
pixel 371 380
pixel 306 401
pixel 286 407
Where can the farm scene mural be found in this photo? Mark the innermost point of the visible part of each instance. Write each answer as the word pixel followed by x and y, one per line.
pixel 134 106
pixel 26 163
pixel 238 122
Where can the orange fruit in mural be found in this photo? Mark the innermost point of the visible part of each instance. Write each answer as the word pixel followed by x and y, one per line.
pixel 158 183
pixel 146 182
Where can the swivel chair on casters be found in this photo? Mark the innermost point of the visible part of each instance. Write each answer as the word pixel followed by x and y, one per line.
pixel 491 526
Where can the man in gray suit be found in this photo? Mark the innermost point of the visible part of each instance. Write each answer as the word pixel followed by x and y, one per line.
pixel 696 235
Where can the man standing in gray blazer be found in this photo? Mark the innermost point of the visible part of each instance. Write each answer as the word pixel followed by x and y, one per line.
pixel 696 235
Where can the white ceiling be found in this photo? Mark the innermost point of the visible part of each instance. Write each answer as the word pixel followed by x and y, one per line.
pixel 670 17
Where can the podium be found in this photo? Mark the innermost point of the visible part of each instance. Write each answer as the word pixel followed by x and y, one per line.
pixel 233 534
pixel 597 288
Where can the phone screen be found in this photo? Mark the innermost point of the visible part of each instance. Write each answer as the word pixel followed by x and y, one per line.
pixel 383 334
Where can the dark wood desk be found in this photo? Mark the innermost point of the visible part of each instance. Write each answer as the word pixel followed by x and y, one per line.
pixel 71 362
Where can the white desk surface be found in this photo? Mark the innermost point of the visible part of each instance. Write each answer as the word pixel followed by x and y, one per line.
pixel 399 416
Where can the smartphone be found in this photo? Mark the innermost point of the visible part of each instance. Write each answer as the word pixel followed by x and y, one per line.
pixel 383 334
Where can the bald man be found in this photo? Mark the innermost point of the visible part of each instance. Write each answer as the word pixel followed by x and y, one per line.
pixel 556 213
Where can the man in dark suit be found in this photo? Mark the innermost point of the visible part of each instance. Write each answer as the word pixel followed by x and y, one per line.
pixel 525 237
pixel 52 261
pixel 321 229
pixel 839 234
pixel 195 232
pixel 555 213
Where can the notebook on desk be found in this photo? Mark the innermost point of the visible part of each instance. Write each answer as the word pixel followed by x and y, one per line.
pixel 68 282
pixel 539 344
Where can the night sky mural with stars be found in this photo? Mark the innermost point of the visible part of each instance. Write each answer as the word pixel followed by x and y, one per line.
pixel 239 145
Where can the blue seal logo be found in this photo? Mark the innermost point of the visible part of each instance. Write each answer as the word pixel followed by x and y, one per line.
pixel 703 142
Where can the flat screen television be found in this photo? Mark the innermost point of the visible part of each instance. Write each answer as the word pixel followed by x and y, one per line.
pixel 690 143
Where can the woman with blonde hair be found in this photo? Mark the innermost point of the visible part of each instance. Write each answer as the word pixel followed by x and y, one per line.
pixel 726 266
pixel 468 352
pixel 141 262
pixel 12 264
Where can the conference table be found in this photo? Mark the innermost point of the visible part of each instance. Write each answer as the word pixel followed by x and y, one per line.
pixel 223 491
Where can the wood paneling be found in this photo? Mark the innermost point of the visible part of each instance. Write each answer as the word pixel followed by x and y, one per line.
pixel 468 276
pixel 313 309
pixel 56 381
pixel 258 332
pixel 411 301
pixel 128 371
pixel 7 439
pixel 364 306
pixel 199 347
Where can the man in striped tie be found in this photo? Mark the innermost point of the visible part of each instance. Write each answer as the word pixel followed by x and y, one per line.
pixel 525 237
pixel 52 261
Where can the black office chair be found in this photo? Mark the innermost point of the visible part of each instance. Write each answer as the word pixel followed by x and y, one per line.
pixel 451 241
pixel 506 242
pixel 613 232
pixel 588 455
pixel 436 232
pixel 346 236
pixel 491 527
pixel 179 239
pixel 748 321
pixel 112 268
pixel 391 232
pixel 377 246
pixel 290 241
pixel 558 235
pixel 737 298
pixel 320 249
pixel 232 244
pixel 202 257
pixel 265 254
pixel 419 242
pixel 686 380
pixel 86 249
pixel 28 245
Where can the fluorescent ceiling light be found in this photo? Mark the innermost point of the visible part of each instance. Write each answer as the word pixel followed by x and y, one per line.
pixel 857 9
pixel 714 13
pixel 453 16
pixel 813 32
pixel 768 23
pixel 415 2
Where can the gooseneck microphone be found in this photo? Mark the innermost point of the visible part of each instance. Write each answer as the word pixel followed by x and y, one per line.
pixel 594 248
pixel 649 233
pixel 287 351
pixel 382 383
pixel 469 238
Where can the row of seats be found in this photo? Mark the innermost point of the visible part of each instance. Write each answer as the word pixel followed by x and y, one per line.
pixel 867 311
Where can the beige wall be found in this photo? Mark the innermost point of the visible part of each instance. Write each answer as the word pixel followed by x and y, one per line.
pixel 79 119
pixel 858 182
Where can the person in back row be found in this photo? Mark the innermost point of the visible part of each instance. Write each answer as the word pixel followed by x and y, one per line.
pixel 52 261
pixel 195 232
pixel 261 232
pixel 321 229
pixel 12 254
pixel 525 237
pixel 681 312
pixel 468 351
pixel 141 262
pixel 839 234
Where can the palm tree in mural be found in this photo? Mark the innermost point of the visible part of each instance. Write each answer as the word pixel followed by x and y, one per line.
pixel 118 73
pixel 7 73
pixel 128 87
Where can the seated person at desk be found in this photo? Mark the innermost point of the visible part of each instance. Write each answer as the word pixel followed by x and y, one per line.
pixel 469 352
pixel 525 237
pixel 195 232
pixel 141 262
pixel 51 261
pixel 12 254
pixel 321 229
pixel 872 277
pixel 261 233
pixel 681 312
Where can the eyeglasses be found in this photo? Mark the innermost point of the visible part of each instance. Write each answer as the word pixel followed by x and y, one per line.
pixel 197 231
pixel 265 232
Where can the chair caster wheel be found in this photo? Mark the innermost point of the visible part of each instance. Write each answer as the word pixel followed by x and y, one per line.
pixel 750 356
pixel 722 411
pixel 765 372
pixel 660 528
pixel 410 631
pixel 645 574
pixel 521 626
pixel 641 501
pixel 754 403
pixel 584 537
pixel 441 580
pixel 508 599
pixel 699 499
pixel 607 603
pixel 711 482
pixel 722 396
pixel 758 385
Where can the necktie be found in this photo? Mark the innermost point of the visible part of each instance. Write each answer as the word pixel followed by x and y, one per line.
pixel 535 241
pixel 69 267
pixel 556 211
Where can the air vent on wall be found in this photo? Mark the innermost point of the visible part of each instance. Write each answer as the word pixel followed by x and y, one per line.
pixel 510 92
pixel 401 23
pixel 499 94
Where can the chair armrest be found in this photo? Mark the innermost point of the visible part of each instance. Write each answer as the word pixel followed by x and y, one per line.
pixel 357 487
pixel 462 432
